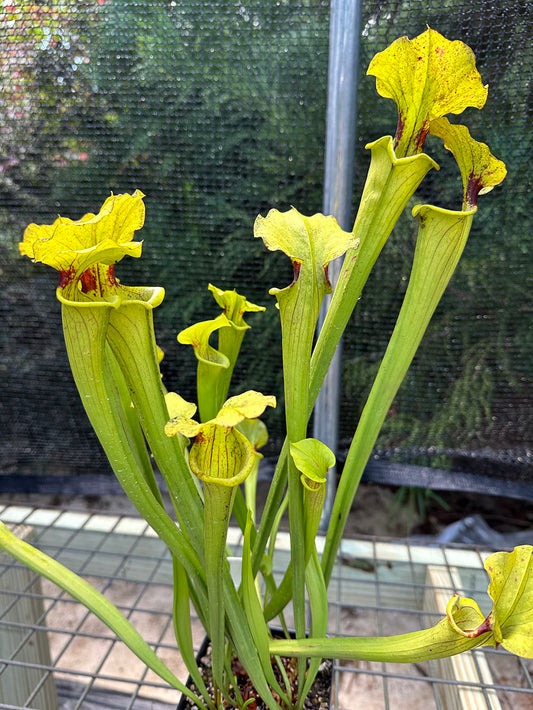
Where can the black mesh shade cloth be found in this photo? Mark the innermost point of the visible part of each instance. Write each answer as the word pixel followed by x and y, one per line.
pixel 216 111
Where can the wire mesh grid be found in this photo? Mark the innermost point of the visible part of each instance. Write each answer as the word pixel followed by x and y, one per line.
pixel 56 654
pixel 216 110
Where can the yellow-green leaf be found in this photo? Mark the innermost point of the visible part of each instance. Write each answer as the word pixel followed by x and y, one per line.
pixel 465 617
pixel 221 455
pixel 255 431
pixel 234 305
pixel 442 640
pixel 248 405
pixel 511 590
pixel 198 336
pixel 428 77
pixel 183 425
pixel 179 407
pixel 313 459
pixel 73 247
pixel 480 170
pixel 311 241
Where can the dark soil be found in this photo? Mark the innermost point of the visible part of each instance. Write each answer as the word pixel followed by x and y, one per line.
pixel 318 698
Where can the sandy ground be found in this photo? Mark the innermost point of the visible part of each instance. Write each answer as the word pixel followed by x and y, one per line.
pixel 404 689
pixel 373 511
pixel 84 655
pixel 363 689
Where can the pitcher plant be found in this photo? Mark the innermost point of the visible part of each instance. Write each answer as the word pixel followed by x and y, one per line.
pixel 207 452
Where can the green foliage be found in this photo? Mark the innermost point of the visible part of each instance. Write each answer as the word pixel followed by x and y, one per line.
pixel 42 91
pixel 109 336
pixel 221 112
pixel 217 111
pixel 479 342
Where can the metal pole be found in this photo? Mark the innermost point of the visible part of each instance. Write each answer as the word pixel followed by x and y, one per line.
pixel 343 74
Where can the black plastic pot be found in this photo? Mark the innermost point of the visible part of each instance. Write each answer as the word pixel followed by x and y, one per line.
pixel 182 705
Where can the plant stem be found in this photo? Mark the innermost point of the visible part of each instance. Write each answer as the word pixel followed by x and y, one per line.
pixel 84 330
pixel 131 337
pixel 441 240
pixel 218 500
pixel 390 183
pixel 413 647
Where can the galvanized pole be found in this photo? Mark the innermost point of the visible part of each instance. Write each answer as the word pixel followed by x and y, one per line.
pixel 344 36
